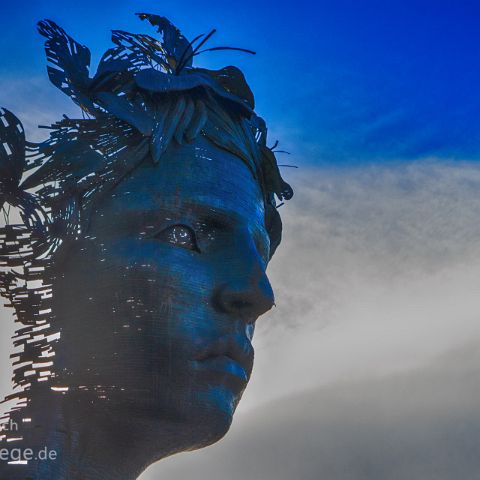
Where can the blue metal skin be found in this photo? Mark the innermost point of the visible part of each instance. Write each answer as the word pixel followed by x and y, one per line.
pixel 152 226
pixel 158 304
pixel 169 286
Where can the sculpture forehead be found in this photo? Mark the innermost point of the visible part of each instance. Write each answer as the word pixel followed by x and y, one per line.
pixel 188 175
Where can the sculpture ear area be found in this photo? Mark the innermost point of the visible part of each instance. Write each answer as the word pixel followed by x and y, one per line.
pixel 273 225
pixel 271 173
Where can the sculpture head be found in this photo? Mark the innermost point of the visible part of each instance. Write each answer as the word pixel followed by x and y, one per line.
pixel 151 222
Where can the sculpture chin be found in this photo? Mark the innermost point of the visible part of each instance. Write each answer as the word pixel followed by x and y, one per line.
pixel 209 415
pixel 182 419
pixel 206 432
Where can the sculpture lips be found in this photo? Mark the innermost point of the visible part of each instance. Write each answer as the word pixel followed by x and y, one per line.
pixel 225 365
pixel 230 354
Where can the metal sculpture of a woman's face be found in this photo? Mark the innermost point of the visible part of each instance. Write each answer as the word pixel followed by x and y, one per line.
pixel 139 269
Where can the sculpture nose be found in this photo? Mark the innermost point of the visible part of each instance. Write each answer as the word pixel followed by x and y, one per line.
pixel 245 296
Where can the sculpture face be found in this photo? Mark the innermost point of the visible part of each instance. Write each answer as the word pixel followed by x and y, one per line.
pixel 159 298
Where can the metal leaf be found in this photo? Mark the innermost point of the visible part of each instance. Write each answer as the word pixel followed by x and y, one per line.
pixel 113 69
pixel 175 44
pixel 12 155
pixel 198 121
pixel 229 136
pixel 71 160
pixel 125 110
pixel 165 128
pixel 113 60
pixel 233 81
pixel 184 122
pixel 158 82
pixel 141 50
pixel 69 63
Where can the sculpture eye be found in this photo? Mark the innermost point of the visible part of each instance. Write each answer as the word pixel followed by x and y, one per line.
pixel 179 235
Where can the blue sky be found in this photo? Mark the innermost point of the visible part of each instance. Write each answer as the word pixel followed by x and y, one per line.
pixel 338 81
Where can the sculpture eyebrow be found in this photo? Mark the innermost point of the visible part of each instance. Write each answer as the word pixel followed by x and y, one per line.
pixel 223 219
pixel 216 216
